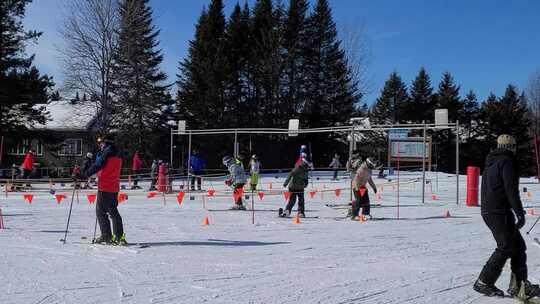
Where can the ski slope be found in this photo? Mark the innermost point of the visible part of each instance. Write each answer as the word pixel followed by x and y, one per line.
pixel 424 257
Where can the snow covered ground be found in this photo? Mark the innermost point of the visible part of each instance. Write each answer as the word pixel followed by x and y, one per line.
pixel 423 257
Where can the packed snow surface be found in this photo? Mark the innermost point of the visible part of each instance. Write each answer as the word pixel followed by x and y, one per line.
pixel 424 257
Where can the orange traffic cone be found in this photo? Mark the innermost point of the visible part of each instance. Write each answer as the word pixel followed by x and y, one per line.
pixel 362 218
pixel 297 219
pixel 206 222
pixel 529 194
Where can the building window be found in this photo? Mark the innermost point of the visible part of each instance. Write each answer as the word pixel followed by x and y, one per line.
pixel 71 147
pixel 39 148
pixel 20 149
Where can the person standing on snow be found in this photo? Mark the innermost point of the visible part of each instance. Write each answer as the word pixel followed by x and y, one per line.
pixel 296 181
pixel 361 198
pixel 196 167
pixel 153 174
pixel 136 165
pixel 501 205
pixel 335 164
pixel 254 170
pixel 237 180
pixel 107 165
pixel 28 165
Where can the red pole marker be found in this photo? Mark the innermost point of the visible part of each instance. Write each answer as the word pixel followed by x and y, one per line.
pixel 151 194
pixel 286 195
pixel 91 198
pixel 28 198
pixel 59 198
pixel 211 192
pixel 261 195
pixel 180 197
pixel 312 193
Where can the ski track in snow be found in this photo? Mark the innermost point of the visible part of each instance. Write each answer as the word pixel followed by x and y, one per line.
pixel 421 258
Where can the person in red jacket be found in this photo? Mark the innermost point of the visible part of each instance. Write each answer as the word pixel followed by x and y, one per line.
pixel 136 164
pixel 107 166
pixel 28 165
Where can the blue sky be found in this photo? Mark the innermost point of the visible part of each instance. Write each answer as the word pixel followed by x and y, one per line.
pixel 485 44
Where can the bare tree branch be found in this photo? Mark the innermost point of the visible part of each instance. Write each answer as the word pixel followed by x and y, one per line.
pixel 357 47
pixel 90 36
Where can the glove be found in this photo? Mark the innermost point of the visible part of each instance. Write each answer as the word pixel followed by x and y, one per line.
pixel 228 182
pixel 375 190
pixel 520 220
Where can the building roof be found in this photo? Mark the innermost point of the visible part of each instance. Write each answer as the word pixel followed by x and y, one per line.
pixel 64 115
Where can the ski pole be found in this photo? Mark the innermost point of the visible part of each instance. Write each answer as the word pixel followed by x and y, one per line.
pixel 532 227
pixel 95 229
pixel 69 215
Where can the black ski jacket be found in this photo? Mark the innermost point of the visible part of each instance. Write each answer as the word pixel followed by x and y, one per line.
pixel 500 184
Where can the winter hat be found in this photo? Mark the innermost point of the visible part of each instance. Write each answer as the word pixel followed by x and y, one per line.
pixel 507 142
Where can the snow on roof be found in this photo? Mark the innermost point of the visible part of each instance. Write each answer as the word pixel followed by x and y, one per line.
pixel 64 115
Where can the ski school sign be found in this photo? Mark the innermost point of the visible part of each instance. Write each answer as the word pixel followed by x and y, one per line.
pixel 409 149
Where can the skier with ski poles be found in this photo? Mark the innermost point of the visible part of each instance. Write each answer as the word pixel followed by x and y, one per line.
pixel 335 164
pixel 107 166
pixel 296 181
pixel 237 179
pixel 254 170
pixel 501 206
pixel 362 177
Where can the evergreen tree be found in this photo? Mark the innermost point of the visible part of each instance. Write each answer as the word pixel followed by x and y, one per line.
pixel 421 103
pixel 295 49
pixel 237 45
pixel 331 93
pixel 507 115
pixel 142 101
pixel 22 88
pixel 392 104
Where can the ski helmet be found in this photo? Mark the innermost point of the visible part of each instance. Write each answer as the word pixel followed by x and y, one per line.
pixel 226 160
pixel 507 142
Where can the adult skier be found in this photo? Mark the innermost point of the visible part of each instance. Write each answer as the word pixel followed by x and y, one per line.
pixel 237 179
pixel 107 166
pixel 254 170
pixel 335 164
pixel 196 167
pixel 28 165
pixel 136 165
pixel 296 181
pixel 501 206
pixel 361 179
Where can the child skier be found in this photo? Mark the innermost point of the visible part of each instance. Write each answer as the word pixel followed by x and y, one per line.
pixel 297 181
pixel 335 164
pixel 254 170
pixel 237 180
pixel 361 198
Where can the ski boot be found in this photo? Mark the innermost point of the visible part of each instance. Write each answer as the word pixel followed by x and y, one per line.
pixel 301 214
pixel 120 241
pixel 486 289
pixel 238 207
pixel 527 292
pixel 102 240
pixel 285 213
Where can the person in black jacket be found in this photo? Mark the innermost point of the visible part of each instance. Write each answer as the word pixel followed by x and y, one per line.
pixel 501 205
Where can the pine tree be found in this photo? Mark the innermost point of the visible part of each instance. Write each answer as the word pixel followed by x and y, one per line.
pixel 22 88
pixel 294 43
pixel 237 43
pixel 391 105
pixel 507 115
pixel 142 101
pixel 421 101
pixel 331 93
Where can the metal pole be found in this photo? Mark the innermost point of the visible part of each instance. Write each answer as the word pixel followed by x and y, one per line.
pixel 398 159
pixel 1 149
pixel 424 167
pixel 351 149
pixel 235 143
pixel 189 162
pixel 172 145
pixel 457 162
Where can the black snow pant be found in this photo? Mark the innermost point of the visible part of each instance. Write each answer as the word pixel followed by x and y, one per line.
pixel 292 201
pixel 361 201
pixel 195 176
pixel 510 245
pixel 135 178
pixel 335 174
pixel 107 205
pixel 26 175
